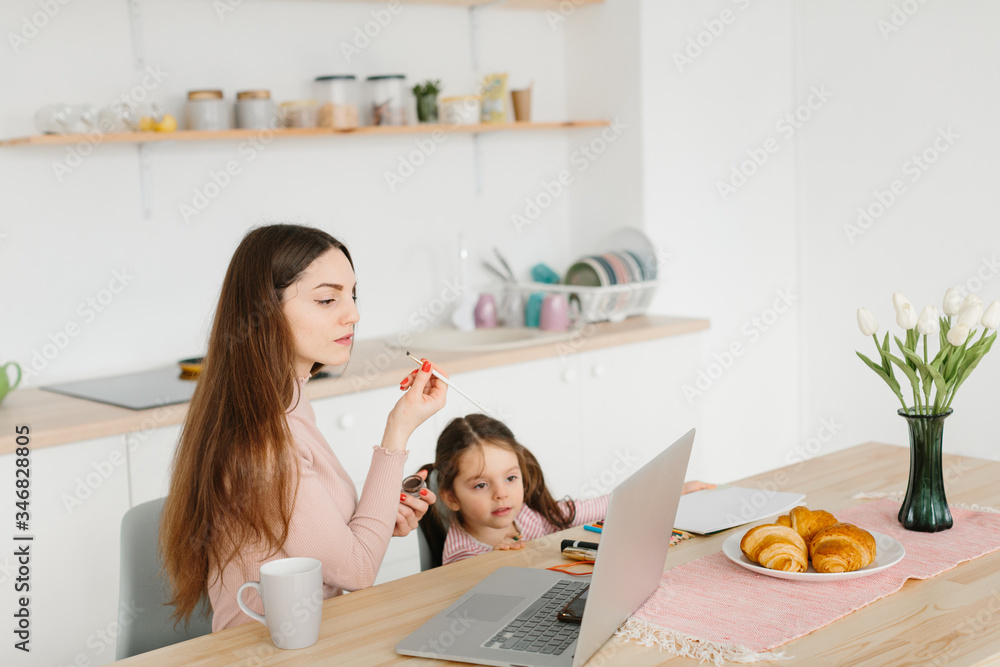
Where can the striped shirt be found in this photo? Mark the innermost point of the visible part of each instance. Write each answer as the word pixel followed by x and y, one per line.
pixel 459 544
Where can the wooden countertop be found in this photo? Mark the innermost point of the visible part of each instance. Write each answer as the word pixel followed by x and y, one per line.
pixel 933 621
pixel 55 419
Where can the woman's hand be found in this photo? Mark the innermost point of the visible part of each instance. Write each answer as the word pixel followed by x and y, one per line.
pixel 425 395
pixel 411 509
pixel 696 486
pixel 511 541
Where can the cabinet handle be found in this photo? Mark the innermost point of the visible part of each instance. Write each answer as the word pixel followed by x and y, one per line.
pixel 569 375
pixel 598 370
pixel 346 421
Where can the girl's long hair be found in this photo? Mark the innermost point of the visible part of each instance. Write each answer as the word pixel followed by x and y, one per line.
pixel 234 474
pixel 476 430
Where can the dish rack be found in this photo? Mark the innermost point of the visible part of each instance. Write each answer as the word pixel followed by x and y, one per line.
pixel 612 303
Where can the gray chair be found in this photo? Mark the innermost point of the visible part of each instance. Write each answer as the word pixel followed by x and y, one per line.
pixel 430 556
pixel 141 587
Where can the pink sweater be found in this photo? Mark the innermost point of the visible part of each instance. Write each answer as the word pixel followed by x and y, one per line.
pixel 459 544
pixel 329 523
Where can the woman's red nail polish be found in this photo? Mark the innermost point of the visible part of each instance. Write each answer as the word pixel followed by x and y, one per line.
pixel 426 367
pixel 402 497
pixel 423 492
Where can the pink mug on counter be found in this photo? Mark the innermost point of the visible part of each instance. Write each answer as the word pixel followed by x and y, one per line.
pixel 555 313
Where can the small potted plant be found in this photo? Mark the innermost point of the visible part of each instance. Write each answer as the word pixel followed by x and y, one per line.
pixel 427 105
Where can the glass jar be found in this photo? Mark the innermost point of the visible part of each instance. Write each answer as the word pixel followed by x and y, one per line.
pixel 300 113
pixel 338 100
pixel 387 100
pixel 206 110
pixel 55 119
pixel 255 110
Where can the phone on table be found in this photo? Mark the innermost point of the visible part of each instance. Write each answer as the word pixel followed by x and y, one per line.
pixel 573 612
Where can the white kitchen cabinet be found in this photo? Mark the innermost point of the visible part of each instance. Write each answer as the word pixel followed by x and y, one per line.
pixel 631 407
pixel 354 423
pixel 79 494
pixel 150 455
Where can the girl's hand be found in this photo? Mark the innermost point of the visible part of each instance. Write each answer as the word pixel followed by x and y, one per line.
pixel 511 541
pixel 424 396
pixel 696 486
pixel 411 509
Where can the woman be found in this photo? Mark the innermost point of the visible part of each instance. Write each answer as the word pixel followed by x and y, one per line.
pixel 253 479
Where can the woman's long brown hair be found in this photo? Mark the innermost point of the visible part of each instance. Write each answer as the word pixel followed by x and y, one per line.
pixel 476 430
pixel 234 474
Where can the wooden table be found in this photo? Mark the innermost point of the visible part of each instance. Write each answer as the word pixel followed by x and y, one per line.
pixel 951 619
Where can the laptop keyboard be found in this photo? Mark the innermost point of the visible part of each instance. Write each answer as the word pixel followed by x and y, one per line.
pixel 536 629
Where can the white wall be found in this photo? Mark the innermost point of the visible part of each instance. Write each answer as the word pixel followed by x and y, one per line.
pixel 894 90
pixel 728 255
pixel 715 86
pixel 63 240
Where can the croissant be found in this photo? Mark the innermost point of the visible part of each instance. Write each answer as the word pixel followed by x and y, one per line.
pixel 842 547
pixel 776 548
pixel 807 523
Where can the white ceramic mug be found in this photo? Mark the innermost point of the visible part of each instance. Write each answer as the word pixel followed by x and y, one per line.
pixel 292 592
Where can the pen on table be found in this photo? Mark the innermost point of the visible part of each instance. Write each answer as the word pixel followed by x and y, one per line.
pixel 452 385
pixel 579 544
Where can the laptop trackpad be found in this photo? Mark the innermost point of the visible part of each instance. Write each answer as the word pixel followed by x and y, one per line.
pixel 486 607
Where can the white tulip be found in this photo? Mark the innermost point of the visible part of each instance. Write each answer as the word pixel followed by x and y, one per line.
pixel 952 301
pixel 867 322
pixel 898 300
pixel 928 324
pixel 971 312
pixel 991 318
pixel 969 300
pixel 906 315
pixel 957 334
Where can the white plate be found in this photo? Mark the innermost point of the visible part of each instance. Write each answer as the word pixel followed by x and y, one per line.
pixel 888 552
pixel 631 238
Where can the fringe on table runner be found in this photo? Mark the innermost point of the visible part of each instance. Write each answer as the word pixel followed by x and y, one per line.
pixel 681 644
pixel 901 495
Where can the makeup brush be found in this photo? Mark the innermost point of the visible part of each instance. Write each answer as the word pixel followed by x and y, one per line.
pixel 452 385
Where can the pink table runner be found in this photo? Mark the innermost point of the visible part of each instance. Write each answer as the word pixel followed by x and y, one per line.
pixel 711 608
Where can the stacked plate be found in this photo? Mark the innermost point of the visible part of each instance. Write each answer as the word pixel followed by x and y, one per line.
pixel 612 268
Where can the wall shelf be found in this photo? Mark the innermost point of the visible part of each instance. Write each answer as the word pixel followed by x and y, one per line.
pixel 195 135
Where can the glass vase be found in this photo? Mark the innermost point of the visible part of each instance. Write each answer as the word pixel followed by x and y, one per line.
pixel 925 507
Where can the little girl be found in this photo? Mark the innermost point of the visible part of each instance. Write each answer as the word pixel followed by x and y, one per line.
pixel 496 493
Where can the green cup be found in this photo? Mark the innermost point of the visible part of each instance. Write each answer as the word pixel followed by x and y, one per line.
pixel 5 386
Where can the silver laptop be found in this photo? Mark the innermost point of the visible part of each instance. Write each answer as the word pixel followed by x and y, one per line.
pixel 509 618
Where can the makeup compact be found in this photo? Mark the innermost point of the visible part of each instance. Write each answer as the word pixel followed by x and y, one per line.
pixel 413 484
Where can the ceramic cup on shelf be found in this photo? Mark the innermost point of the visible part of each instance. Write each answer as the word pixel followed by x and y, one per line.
pixel 486 312
pixel 533 311
pixel 555 313
pixel 292 592
pixel 522 105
